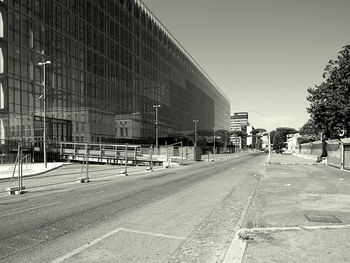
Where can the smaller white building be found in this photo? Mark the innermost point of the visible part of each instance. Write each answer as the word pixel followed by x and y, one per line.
pixel 292 141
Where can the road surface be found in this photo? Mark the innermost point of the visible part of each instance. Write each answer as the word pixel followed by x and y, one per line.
pixel 186 214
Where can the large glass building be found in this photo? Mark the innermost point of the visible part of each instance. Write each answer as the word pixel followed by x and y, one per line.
pixel 111 62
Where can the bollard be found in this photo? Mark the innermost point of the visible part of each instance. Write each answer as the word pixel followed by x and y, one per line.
pixel 125 172
pixel 182 155
pixel 85 179
pixel 135 156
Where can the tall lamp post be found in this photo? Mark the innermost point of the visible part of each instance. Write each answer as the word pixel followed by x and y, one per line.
pixel 156 123
pixel 195 132
pixel 43 64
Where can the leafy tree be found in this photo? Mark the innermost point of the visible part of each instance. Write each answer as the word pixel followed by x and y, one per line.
pixel 309 128
pixel 308 132
pixel 278 141
pixel 205 133
pixel 330 101
pixel 238 133
pixel 258 130
pixel 256 137
pixel 279 136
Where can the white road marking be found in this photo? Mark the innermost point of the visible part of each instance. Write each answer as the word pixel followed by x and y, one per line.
pixel 20 210
pixel 95 193
pixel 152 234
pixel 82 248
pixel 109 234
pixel 236 251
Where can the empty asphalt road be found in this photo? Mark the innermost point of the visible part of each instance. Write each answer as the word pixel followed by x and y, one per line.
pixel 185 214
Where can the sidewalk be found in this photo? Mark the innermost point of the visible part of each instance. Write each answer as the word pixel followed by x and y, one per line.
pixel 291 159
pixel 29 169
pixel 300 213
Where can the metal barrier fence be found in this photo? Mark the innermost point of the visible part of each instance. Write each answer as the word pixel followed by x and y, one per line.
pixel 22 167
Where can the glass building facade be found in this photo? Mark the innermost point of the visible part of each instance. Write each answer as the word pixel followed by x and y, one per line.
pixel 111 61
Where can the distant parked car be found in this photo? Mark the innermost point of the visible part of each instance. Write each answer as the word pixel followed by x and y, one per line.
pixel 288 152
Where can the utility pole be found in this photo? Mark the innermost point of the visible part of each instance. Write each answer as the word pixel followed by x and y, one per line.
pixel 156 123
pixel 195 132
pixel 43 64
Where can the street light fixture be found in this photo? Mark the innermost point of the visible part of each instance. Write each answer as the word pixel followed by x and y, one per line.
pixel 195 132
pixel 156 123
pixel 43 64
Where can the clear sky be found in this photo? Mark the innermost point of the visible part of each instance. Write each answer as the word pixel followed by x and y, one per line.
pixel 263 54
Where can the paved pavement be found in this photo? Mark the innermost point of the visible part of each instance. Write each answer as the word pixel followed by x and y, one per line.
pixel 301 213
pixel 291 160
pixel 6 170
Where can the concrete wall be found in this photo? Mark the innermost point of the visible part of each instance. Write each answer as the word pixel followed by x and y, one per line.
pixel 338 152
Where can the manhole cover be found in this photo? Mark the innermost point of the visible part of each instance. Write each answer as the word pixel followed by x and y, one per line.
pixel 323 219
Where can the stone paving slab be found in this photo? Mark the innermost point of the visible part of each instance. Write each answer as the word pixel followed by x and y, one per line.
pixel 285 159
pixel 300 245
pixel 299 214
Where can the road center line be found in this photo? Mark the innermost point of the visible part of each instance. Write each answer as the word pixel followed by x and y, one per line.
pixel 109 234
pixel 31 208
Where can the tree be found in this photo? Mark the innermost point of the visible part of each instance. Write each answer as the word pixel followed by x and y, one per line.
pixel 308 132
pixel 330 101
pixel 279 136
pixel 309 128
pixel 256 137
pixel 258 130
pixel 237 133
pixel 278 141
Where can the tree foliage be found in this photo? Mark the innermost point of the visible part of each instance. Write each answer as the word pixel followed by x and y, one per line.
pixel 308 132
pixel 330 101
pixel 309 128
pixel 279 136
pixel 278 141
pixel 258 130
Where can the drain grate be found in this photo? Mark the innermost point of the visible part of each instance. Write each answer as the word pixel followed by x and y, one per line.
pixel 323 219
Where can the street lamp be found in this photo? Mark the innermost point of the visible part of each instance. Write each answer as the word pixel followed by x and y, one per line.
pixel 156 123
pixel 195 132
pixel 43 64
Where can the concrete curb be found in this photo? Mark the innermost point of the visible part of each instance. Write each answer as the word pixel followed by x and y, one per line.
pixel 235 252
